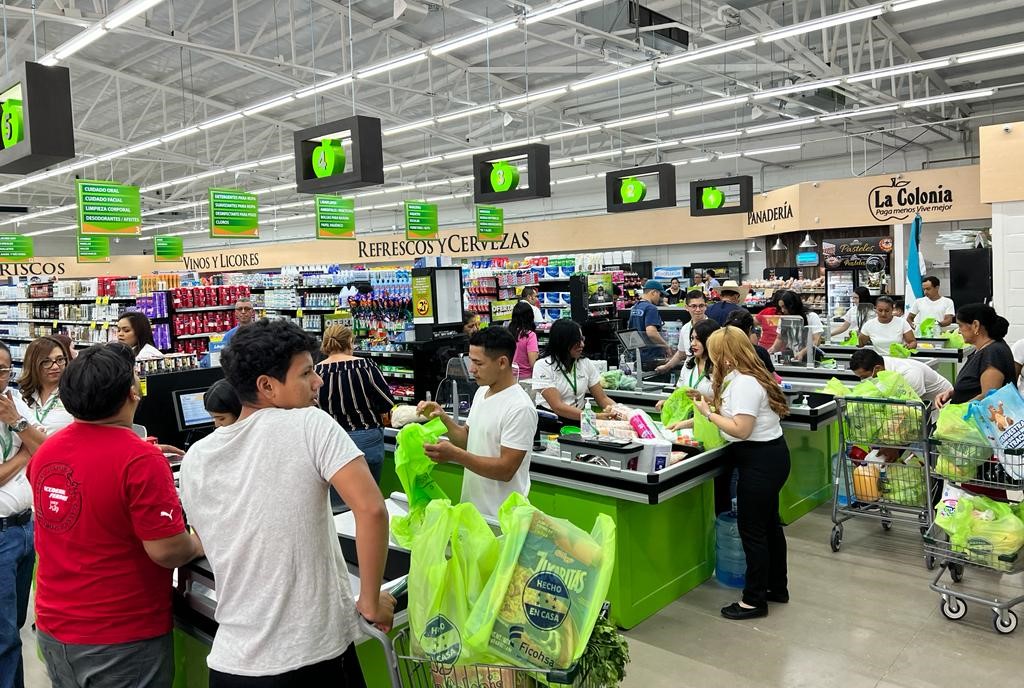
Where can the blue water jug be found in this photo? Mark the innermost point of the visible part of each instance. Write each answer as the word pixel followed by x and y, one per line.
pixel 731 563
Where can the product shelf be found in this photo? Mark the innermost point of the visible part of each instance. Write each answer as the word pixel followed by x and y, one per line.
pixel 69 299
pixel 62 322
pixel 200 335
pixel 204 309
pixel 391 354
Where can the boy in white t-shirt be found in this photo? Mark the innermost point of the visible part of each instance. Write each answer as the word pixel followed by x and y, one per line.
pixel 495 443
pixel 886 329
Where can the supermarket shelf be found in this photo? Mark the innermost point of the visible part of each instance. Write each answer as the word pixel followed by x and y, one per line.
pixel 201 335
pixel 69 299
pixel 204 309
pixel 384 354
pixel 404 376
pixel 600 305
pixel 59 321
pixel 317 309
pixel 551 279
pixel 406 397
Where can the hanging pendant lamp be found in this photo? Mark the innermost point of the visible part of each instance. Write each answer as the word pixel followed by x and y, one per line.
pixel 808 242
pixel 754 248
pixel 779 246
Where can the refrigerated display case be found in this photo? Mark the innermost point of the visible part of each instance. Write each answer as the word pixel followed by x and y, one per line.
pixel 852 263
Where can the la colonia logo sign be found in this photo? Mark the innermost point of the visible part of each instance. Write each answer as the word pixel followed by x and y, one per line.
pixel 898 200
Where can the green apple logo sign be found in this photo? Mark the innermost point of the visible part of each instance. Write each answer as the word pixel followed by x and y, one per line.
pixel 504 177
pixel 328 159
pixel 11 131
pixel 712 198
pixel 632 190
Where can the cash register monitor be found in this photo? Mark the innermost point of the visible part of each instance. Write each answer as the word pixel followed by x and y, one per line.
pixel 189 410
pixel 632 339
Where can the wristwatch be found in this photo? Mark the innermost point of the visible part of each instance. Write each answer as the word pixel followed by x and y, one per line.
pixel 19 426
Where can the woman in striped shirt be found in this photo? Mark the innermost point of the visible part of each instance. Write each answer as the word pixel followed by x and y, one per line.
pixel 355 393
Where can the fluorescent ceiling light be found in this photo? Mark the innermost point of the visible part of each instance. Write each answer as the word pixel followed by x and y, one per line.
pixel 949 97
pixel 463 41
pixel 128 12
pixel 825 22
pixel 277 158
pixel 570 180
pixel 901 69
pixel 651 146
pixel 270 104
pixel 142 146
pixel 403 61
pixel 630 121
pixel 860 112
pixel 775 126
pixel 422 161
pixel 614 76
pixel 992 53
pixel 466 113
pixel 711 137
pixel 103 158
pixel 65 228
pixel 712 105
pixel 465 153
pixel 532 97
pixel 402 128
pixel 776 149
pixel 572 132
pixel 727 156
pixel 210 124
pixel 710 51
pixel 180 134
pixel 325 86
pixel 560 8
pixel 796 88
pixel 596 156
pixel 911 4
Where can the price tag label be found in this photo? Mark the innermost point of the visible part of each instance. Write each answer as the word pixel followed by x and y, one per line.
pixel 92 325
pixel 55 324
pixel 99 300
pixel 143 387
pixel 298 313
pixel 106 326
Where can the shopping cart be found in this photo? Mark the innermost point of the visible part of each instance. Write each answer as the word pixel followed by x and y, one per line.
pixel 894 492
pixel 973 466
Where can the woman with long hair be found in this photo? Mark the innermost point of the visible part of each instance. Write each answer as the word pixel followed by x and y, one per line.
pixel 563 377
pixel 861 310
pixel 991 364
pixel 790 303
pixel 39 384
pixel 356 394
pixel 747 408
pixel 222 403
pixel 135 332
pixel 524 329
pixel 696 372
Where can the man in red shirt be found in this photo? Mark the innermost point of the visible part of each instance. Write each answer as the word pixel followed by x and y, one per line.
pixel 109 529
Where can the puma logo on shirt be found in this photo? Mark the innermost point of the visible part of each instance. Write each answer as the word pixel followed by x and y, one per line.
pixel 168 514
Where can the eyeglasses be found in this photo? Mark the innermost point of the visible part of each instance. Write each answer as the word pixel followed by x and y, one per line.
pixel 244 309
pixel 6 372
pixel 50 363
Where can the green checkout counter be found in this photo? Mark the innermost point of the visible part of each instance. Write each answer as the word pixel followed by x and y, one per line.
pixel 935 352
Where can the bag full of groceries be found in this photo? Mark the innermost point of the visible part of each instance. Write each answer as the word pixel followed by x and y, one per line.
pixel 962 447
pixel 1000 415
pixel 540 606
pixel 892 424
pixel 987 531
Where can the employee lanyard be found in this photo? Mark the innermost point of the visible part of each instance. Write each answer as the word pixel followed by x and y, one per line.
pixel 572 382
pixel 43 411
pixel 6 440
pixel 693 385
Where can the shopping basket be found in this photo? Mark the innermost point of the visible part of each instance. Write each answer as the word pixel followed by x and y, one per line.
pixel 893 492
pixel 979 468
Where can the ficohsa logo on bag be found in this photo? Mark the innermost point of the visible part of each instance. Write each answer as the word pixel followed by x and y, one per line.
pixel 441 640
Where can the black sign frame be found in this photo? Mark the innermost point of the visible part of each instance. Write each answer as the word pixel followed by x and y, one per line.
pixel 746 190
pixel 49 128
pixel 366 154
pixel 666 188
pixel 538 169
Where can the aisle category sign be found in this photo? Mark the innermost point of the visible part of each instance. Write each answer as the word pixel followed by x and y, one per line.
pixel 107 208
pixel 168 249
pixel 335 217
pixel 420 220
pixel 234 214
pixel 93 249
pixel 490 223
pixel 15 248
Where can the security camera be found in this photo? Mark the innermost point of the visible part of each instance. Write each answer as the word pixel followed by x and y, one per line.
pixel 1007 128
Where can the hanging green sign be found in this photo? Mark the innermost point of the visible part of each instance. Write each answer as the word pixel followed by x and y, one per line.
pixel 328 159
pixel 632 190
pixel 490 223
pixel 504 176
pixel 168 249
pixel 15 248
pixel 12 127
pixel 107 208
pixel 420 220
pixel 234 214
pixel 93 249
pixel 335 217
pixel 712 197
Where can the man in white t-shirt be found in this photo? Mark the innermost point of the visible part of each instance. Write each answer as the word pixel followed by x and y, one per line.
pixel 256 494
pixel 495 443
pixel 886 329
pixel 697 306
pixel 932 305
pixel 866 363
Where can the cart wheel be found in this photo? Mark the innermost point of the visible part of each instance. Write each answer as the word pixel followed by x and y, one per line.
pixel 924 531
pixel 887 525
pixel 956 572
pixel 1005 627
pixel 953 608
pixel 929 562
pixel 837 538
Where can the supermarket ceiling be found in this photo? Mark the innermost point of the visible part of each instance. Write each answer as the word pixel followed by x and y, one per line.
pixel 179 95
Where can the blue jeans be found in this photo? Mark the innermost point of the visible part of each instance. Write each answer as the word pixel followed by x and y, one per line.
pixel 17 558
pixel 371 442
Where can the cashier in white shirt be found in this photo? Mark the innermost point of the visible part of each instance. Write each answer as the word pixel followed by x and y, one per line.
pixel 495 443
pixel 866 363
pixel 696 305
pixel 886 329
pixel 932 305
pixel 563 378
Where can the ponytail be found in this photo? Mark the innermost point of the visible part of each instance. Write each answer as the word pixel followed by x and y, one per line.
pixel 995 325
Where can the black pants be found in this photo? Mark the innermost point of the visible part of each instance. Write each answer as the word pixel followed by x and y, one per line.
pixel 763 469
pixel 342 671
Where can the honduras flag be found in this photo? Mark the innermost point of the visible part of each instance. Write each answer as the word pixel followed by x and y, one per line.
pixel 915 262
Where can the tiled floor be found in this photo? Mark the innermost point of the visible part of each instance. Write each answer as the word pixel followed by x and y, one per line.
pixel 861 618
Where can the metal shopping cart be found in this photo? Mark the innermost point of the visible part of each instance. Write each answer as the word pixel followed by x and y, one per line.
pixel 971 467
pixel 896 491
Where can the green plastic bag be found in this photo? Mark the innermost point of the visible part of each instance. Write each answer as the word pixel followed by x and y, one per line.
pixel 453 556
pixel 904 484
pixel 540 606
pixel 954 340
pixel 835 387
pixel 677 407
pixel 611 379
pixel 963 446
pixel 414 470
pixel 869 423
pixel 983 528
pixel 851 339
pixel 707 433
pixel 926 326
pixel 897 350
